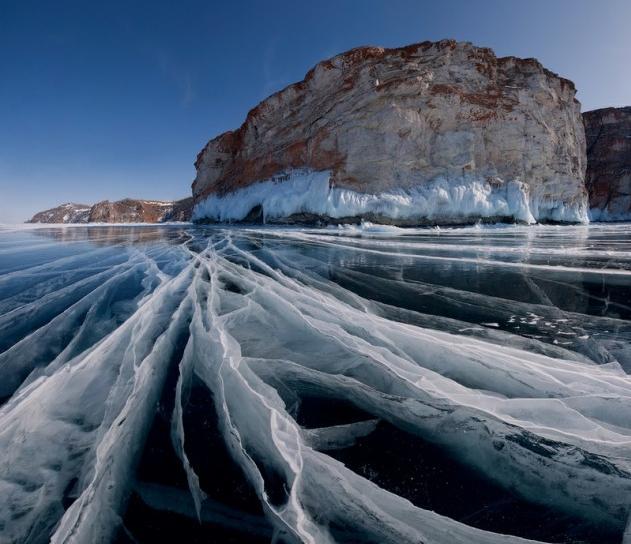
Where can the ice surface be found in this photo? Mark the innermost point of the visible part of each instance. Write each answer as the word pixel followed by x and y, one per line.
pixel 442 200
pixel 506 350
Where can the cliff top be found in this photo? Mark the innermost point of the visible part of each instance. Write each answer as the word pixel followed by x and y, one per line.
pixel 361 54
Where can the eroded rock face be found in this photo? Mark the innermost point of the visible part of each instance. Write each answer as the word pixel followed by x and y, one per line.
pixel 181 210
pixel 130 211
pixel 391 121
pixel 66 213
pixel 121 211
pixel 608 179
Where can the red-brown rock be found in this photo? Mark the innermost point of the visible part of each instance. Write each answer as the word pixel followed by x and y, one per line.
pixel 387 120
pixel 127 210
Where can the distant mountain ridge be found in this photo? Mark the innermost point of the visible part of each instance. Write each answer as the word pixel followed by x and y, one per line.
pixel 128 210
pixel 69 212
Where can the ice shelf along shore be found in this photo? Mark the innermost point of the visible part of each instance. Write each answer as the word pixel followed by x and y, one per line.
pixel 441 201
pixel 345 384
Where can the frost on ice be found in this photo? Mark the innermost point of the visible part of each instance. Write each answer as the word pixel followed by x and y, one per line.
pixel 445 201
pixel 291 385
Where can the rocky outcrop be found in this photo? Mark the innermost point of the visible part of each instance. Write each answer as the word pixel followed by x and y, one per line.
pixel 441 132
pixel 66 213
pixel 608 179
pixel 122 211
pixel 181 211
pixel 132 211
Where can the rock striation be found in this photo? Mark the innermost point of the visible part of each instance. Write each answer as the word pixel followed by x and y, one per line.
pixel 608 179
pixel 436 132
pixel 122 211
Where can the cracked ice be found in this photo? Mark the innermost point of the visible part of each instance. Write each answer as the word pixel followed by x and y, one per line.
pixel 315 385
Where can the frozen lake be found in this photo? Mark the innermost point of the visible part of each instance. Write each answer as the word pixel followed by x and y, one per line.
pixel 350 384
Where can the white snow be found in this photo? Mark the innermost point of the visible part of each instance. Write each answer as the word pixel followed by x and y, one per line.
pixel 442 200
pixel 164 203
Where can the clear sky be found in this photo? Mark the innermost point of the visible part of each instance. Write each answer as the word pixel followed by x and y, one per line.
pixel 111 99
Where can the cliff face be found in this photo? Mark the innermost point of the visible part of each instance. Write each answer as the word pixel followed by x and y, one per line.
pixel 122 211
pixel 608 179
pixel 132 211
pixel 66 213
pixel 181 210
pixel 433 132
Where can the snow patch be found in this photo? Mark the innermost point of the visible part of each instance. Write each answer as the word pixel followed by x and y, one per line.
pixel 367 227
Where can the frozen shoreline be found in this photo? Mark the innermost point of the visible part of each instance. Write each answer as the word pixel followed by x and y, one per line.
pixel 442 201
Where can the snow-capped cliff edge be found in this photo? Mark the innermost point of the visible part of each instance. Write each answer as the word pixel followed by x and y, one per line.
pixel 432 133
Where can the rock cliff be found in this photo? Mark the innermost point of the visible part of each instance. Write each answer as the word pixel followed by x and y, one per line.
pixel 441 132
pixel 66 213
pixel 137 211
pixel 181 211
pixel 122 211
pixel 608 179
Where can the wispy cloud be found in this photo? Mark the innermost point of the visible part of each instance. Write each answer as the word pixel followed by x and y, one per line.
pixel 272 81
pixel 188 93
pixel 177 73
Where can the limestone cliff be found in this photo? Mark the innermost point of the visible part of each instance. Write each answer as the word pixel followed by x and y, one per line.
pixel 122 211
pixel 441 132
pixel 608 180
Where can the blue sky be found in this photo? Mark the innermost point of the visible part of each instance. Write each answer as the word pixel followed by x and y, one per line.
pixel 112 99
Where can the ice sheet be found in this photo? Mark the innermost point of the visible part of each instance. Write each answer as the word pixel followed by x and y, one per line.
pixel 524 386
